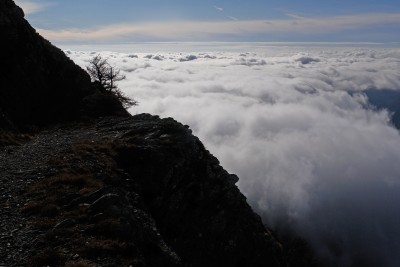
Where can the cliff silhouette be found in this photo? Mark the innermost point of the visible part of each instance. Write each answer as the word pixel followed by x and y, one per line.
pixel 40 85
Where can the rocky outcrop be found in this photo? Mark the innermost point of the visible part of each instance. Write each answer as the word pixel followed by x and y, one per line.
pixel 139 191
pixel 39 84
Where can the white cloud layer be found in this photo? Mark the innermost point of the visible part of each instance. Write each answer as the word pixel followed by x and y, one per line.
pixel 206 30
pixel 310 156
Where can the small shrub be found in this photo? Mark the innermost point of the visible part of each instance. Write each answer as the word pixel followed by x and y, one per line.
pixel 106 78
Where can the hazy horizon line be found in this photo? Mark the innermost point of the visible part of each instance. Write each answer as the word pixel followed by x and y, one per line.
pixel 204 46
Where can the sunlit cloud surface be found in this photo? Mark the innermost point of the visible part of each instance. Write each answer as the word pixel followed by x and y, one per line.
pixel 312 154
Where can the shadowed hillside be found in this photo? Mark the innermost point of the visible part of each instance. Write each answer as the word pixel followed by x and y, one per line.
pixel 39 84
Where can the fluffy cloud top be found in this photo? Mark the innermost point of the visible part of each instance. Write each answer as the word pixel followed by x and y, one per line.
pixel 312 154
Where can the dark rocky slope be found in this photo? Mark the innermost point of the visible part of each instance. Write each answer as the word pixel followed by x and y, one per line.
pixel 39 84
pixel 139 191
pixel 82 190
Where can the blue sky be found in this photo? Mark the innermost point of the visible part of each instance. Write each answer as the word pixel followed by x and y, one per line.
pixel 106 21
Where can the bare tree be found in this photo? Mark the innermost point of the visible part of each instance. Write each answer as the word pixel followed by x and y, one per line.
pixel 106 76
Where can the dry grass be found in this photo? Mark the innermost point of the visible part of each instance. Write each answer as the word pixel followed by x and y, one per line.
pixel 80 263
pixel 32 207
pixel 98 147
pixel 10 138
pixel 49 257
pixel 81 183
pixel 52 187
pixel 109 247
pixel 47 194
pixel 109 228
pixel 83 169
pixel 43 223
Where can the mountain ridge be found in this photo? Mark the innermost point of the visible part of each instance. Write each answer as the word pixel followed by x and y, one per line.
pixel 40 84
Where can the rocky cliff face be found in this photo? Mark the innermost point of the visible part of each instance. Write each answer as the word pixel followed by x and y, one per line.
pixel 139 191
pixel 112 191
pixel 39 84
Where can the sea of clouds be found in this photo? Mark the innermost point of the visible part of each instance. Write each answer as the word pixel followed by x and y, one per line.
pixel 311 152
